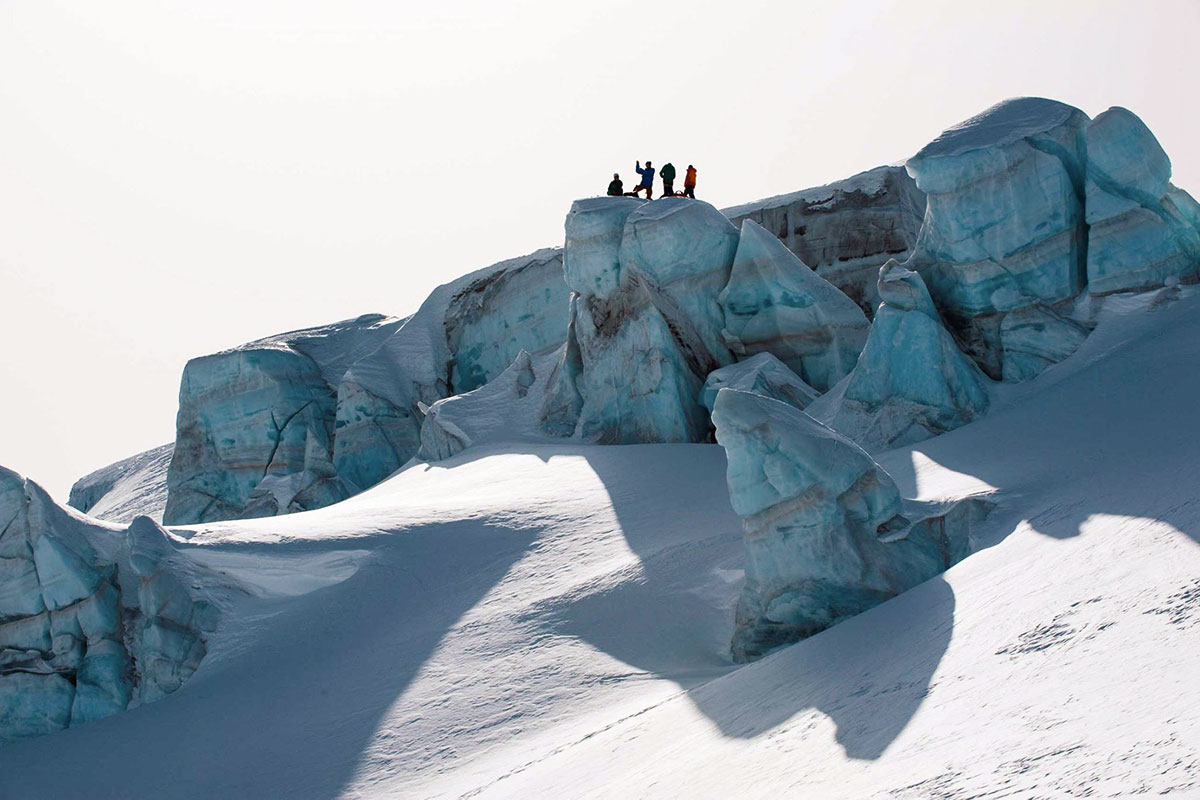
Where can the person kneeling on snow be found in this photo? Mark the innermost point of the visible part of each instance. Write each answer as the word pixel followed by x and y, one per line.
pixel 616 188
pixel 647 180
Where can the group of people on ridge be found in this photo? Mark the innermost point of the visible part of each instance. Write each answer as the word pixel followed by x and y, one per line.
pixel 667 173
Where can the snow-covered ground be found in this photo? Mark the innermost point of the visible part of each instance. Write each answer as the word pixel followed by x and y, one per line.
pixel 554 621
pixel 133 486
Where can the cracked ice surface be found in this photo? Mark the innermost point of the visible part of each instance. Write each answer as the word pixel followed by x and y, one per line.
pixel 911 381
pixel 1140 236
pixel 775 304
pixel 92 619
pixel 824 531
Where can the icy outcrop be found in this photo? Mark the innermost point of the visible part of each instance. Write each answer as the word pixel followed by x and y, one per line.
pixel 911 381
pixel 761 374
pixel 845 231
pixel 681 251
pixel 92 619
pixel 1138 237
pixel 645 326
pixel 465 333
pixel 133 487
pixel 491 320
pixel 506 409
pixel 1004 227
pixel 825 532
pixel 255 429
pixel 775 304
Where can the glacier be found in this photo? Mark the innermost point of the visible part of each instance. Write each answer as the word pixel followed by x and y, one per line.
pixel 845 230
pixel 911 381
pixel 93 619
pixel 774 303
pixel 825 529
pixel 1004 225
pixel 1139 235
pixel 1010 219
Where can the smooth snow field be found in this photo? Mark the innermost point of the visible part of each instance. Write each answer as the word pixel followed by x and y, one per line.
pixel 554 621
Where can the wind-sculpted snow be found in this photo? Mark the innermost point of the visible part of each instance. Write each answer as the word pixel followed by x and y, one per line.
pixel 911 381
pixel 92 619
pixel 506 409
pixel 824 529
pixel 133 487
pixel 1004 226
pixel 846 230
pixel 761 374
pixel 775 304
pixel 254 434
pixel 466 332
pixel 1139 237
pixel 645 326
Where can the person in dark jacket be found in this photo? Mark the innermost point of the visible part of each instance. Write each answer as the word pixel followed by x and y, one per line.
pixel 647 180
pixel 616 188
pixel 668 178
pixel 689 182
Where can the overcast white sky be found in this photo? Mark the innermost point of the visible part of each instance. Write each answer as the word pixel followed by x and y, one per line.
pixel 180 177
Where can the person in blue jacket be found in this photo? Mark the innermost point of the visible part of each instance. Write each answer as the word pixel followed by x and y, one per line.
pixel 647 179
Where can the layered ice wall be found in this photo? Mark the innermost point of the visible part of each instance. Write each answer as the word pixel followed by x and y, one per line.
pixel 466 333
pixel 1139 234
pixel 911 381
pixel 844 231
pixel 645 324
pixel 825 532
pixel 491 320
pixel 1004 228
pixel 92 619
pixel 255 429
pixel 774 303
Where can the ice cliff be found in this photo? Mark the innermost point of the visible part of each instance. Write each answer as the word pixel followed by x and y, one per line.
pixel 1139 233
pixel 825 531
pixel 93 619
pixel 466 333
pixel 255 429
pixel 774 303
pixel 911 381
pixel 1004 228
pixel 844 231
pixel 645 324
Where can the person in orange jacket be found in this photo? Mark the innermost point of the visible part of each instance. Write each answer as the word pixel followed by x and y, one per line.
pixel 689 182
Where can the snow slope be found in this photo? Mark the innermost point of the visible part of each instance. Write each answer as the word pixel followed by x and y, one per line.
pixel 131 487
pixel 555 622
